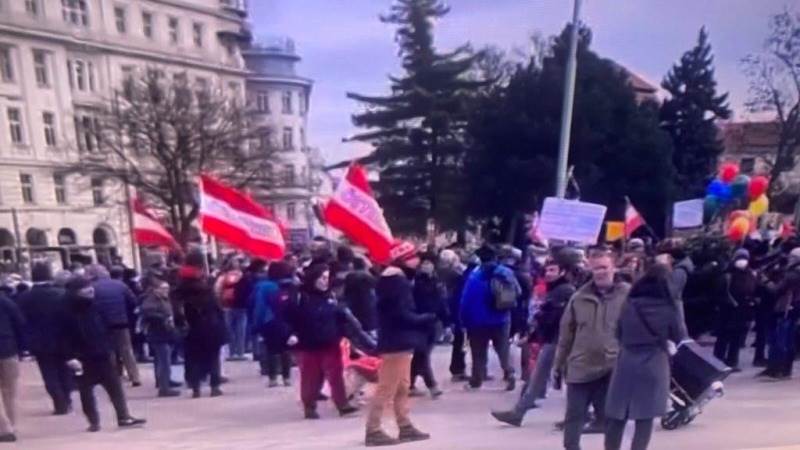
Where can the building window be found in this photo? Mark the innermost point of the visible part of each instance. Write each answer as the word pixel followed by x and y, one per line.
pixel 60 188
pixel 147 25
pixel 291 214
pixel 302 137
pixel 286 100
pixel 262 102
pixel 81 75
pixel 87 129
pixel 234 87
pixel 197 34
pixel 173 29
pixel 288 174
pixel 15 125
pixel 26 182
pixel 32 7
pixel 264 141
pixel 75 12
pixel 97 192
pixel 120 19
pixel 40 68
pixel 49 121
pixel 288 138
pixel 6 65
pixel 301 103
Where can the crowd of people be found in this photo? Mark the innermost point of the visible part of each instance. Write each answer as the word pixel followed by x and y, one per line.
pixel 602 321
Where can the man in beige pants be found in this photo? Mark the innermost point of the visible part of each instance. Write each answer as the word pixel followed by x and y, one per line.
pixel 401 330
pixel 11 325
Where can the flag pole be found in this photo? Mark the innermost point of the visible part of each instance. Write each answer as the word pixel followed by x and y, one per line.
pixel 567 104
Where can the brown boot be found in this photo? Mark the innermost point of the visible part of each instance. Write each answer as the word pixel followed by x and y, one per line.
pixel 379 439
pixel 408 434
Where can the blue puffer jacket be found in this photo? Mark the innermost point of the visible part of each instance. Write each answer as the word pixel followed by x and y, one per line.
pixel 113 298
pixel 477 305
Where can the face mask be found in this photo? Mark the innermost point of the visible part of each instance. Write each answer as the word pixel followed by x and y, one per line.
pixel 740 263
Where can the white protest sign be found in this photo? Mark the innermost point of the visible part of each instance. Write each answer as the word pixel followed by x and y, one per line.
pixel 571 220
pixel 687 214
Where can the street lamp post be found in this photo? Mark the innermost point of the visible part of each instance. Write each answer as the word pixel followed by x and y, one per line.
pixel 566 110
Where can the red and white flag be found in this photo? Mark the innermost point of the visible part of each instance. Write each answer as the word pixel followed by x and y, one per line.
pixel 237 219
pixel 354 211
pixel 633 220
pixel 147 230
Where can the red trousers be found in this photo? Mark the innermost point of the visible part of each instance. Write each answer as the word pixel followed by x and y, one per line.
pixel 316 367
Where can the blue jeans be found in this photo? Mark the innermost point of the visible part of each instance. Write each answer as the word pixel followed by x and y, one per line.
pixel 162 364
pixel 237 325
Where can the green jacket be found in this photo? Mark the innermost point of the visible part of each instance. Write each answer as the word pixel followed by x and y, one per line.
pixel 587 344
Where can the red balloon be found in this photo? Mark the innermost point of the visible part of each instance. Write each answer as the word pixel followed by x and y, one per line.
pixel 758 186
pixel 738 229
pixel 728 171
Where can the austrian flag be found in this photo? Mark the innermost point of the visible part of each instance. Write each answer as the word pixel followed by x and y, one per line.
pixel 354 211
pixel 147 230
pixel 237 219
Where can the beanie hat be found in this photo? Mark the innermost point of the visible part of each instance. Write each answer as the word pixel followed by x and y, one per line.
pixel 741 254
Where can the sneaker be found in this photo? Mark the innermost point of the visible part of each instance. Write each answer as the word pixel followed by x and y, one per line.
pixel 273 384
pixel 136 383
pixel 509 417
pixel 347 410
pixel 735 370
pixel 435 392
pixel 511 384
pixel 131 422
pixel 8 437
pixel 459 378
pixel 311 414
pixel 216 392
pixel 175 384
pixel 169 393
pixel 409 434
pixel 470 388
pixel 379 439
pixel 594 427
pixel 93 428
pixel 195 392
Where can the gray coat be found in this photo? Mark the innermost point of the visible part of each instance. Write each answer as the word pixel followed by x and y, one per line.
pixel 640 383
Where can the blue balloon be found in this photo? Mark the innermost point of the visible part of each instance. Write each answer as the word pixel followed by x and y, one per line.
pixel 720 190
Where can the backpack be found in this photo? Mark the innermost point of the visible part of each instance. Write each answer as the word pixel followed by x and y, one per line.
pixel 504 293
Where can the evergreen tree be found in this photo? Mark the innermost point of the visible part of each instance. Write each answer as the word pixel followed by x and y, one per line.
pixel 418 130
pixel 617 147
pixel 689 115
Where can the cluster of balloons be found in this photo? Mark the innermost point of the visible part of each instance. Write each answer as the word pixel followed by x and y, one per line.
pixel 733 191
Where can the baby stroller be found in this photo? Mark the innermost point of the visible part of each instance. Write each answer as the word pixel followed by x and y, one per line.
pixel 697 378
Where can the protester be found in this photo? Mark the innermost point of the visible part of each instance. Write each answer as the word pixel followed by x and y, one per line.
pixel 546 324
pixel 359 295
pixel 206 332
pixel 782 346
pixel 159 328
pixel 88 344
pixel 648 327
pixel 401 330
pixel 587 346
pixel 235 309
pixel 484 321
pixel 11 338
pixel 44 309
pixel 736 310
pixel 317 329
pixel 451 273
pixel 428 298
pixel 113 299
pixel 272 300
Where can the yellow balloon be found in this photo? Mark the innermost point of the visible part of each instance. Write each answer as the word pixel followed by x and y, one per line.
pixel 759 206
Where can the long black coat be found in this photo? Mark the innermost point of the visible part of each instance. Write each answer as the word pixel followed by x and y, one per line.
pixel 640 382
pixel 401 328
pixel 11 328
pixel 199 311
pixel 45 310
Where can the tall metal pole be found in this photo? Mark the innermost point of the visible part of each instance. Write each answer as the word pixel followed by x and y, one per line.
pixel 566 109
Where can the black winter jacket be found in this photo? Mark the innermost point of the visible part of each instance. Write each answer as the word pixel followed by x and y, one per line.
pixel 400 327
pixel 548 318
pixel 199 310
pixel 86 334
pixel 317 321
pixel 359 296
pixel 44 309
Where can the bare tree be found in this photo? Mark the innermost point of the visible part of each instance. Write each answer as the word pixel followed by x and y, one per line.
pixel 775 88
pixel 157 136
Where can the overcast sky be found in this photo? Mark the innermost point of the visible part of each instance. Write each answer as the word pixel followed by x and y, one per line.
pixel 346 48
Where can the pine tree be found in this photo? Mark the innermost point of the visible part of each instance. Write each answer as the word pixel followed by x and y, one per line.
pixel 418 130
pixel 689 115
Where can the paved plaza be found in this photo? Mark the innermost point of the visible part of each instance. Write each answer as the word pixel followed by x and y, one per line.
pixel 753 415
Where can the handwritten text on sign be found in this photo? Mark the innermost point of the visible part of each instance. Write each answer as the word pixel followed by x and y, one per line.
pixel 570 220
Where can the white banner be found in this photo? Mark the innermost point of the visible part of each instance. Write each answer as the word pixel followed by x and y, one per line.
pixel 687 214
pixel 571 220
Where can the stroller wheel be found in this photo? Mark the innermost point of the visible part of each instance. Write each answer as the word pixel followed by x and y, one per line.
pixel 673 419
